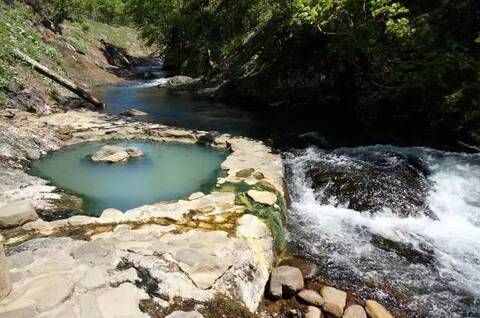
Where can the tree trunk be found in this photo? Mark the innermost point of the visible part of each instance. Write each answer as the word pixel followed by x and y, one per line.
pixel 75 88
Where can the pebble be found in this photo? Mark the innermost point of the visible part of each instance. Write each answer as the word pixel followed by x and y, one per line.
pixel 313 312
pixel 355 311
pixel 311 297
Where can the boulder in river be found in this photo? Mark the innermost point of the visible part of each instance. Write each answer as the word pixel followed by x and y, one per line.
pixel 179 81
pixel 16 214
pixel 115 154
pixel 285 280
pixel 372 181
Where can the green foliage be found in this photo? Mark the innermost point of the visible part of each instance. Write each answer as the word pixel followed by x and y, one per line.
pixel 194 32
pixel 16 32
pixel 396 51
pixel 77 43
pixel 106 11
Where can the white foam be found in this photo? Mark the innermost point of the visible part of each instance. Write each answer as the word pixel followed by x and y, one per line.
pixel 156 82
pixel 454 237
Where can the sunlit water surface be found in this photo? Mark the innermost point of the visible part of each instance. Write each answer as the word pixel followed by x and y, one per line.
pixel 165 172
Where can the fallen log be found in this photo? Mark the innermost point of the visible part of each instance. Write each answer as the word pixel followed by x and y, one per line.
pixel 73 87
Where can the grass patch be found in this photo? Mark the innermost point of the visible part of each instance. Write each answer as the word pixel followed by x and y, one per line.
pixel 75 41
pixel 273 216
pixel 93 31
pixel 17 32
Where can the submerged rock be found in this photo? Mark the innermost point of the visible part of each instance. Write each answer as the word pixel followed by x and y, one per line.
pixel 372 181
pixel 115 154
pixel 133 112
pixel 16 214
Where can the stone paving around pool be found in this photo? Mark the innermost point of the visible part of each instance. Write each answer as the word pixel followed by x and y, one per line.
pixel 151 260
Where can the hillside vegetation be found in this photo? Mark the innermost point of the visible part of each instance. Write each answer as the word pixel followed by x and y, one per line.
pixel 70 45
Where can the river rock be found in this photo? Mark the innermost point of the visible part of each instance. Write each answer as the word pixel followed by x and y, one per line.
pixel 309 269
pixel 16 214
pixel 335 300
pixel 311 297
pixel 285 280
pixel 376 310
pixel 115 154
pixel 313 312
pixel 133 112
pixel 5 283
pixel 179 80
pixel 371 181
pixel 263 197
pixel 355 311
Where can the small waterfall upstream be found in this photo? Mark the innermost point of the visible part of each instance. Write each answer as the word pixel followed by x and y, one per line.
pixel 426 262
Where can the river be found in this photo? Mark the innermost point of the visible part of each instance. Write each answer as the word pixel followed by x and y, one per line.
pixel 401 224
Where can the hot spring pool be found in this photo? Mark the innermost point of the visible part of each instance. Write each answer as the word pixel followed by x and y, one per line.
pixel 165 172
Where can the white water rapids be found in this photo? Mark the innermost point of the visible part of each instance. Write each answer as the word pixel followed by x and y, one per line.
pixel 341 240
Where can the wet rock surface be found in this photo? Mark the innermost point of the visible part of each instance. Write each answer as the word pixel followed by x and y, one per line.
pixel 372 182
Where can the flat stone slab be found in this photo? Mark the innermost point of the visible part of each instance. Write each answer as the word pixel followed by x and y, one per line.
pixel 263 197
pixel 16 214
pixel 66 277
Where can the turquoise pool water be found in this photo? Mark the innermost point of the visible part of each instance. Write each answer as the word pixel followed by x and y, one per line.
pixel 165 172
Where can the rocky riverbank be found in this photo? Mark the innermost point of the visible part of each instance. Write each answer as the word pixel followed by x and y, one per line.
pixel 211 254
pixel 154 259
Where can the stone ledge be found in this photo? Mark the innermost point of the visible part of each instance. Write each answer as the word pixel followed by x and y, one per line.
pixel 164 243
